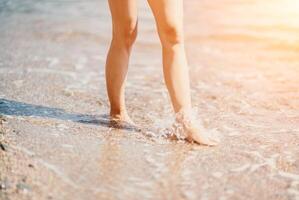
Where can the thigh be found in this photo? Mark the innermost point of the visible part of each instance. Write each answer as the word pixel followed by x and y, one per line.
pixel 124 14
pixel 168 15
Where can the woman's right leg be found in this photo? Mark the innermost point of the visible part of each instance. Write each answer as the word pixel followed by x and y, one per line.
pixel 124 25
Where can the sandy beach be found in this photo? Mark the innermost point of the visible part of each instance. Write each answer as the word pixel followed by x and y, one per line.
pixel 55 138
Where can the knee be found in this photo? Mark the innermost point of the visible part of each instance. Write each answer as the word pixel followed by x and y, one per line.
pixel 126 33
pixel 171 35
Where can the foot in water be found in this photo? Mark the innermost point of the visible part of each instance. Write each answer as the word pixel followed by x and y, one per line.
pixel 186 127
pixel 122 121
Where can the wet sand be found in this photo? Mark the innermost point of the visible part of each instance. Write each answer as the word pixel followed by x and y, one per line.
pixel 55 139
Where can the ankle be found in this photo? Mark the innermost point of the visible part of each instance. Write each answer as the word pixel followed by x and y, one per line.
pixel 118 112
pixel 187 118
pixel 185 113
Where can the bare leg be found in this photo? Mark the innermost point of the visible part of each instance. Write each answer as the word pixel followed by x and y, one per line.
pixel 169 20
pixel 124 22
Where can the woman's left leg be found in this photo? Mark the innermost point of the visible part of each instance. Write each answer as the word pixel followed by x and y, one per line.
pixel 169 19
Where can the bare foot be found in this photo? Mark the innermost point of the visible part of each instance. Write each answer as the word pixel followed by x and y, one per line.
pixel 122 121
pixel 193 131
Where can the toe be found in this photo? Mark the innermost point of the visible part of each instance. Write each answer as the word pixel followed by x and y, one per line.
pixel 205 138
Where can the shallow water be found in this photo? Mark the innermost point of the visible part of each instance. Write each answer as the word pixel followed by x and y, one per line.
pixel 244 66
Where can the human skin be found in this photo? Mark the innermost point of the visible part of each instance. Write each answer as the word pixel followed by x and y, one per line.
pixel 169 20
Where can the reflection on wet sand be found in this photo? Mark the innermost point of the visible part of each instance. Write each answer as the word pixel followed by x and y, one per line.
pixel 172 177
pixel 110 164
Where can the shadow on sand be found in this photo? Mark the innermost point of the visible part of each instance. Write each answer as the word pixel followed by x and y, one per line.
pixel 15 108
